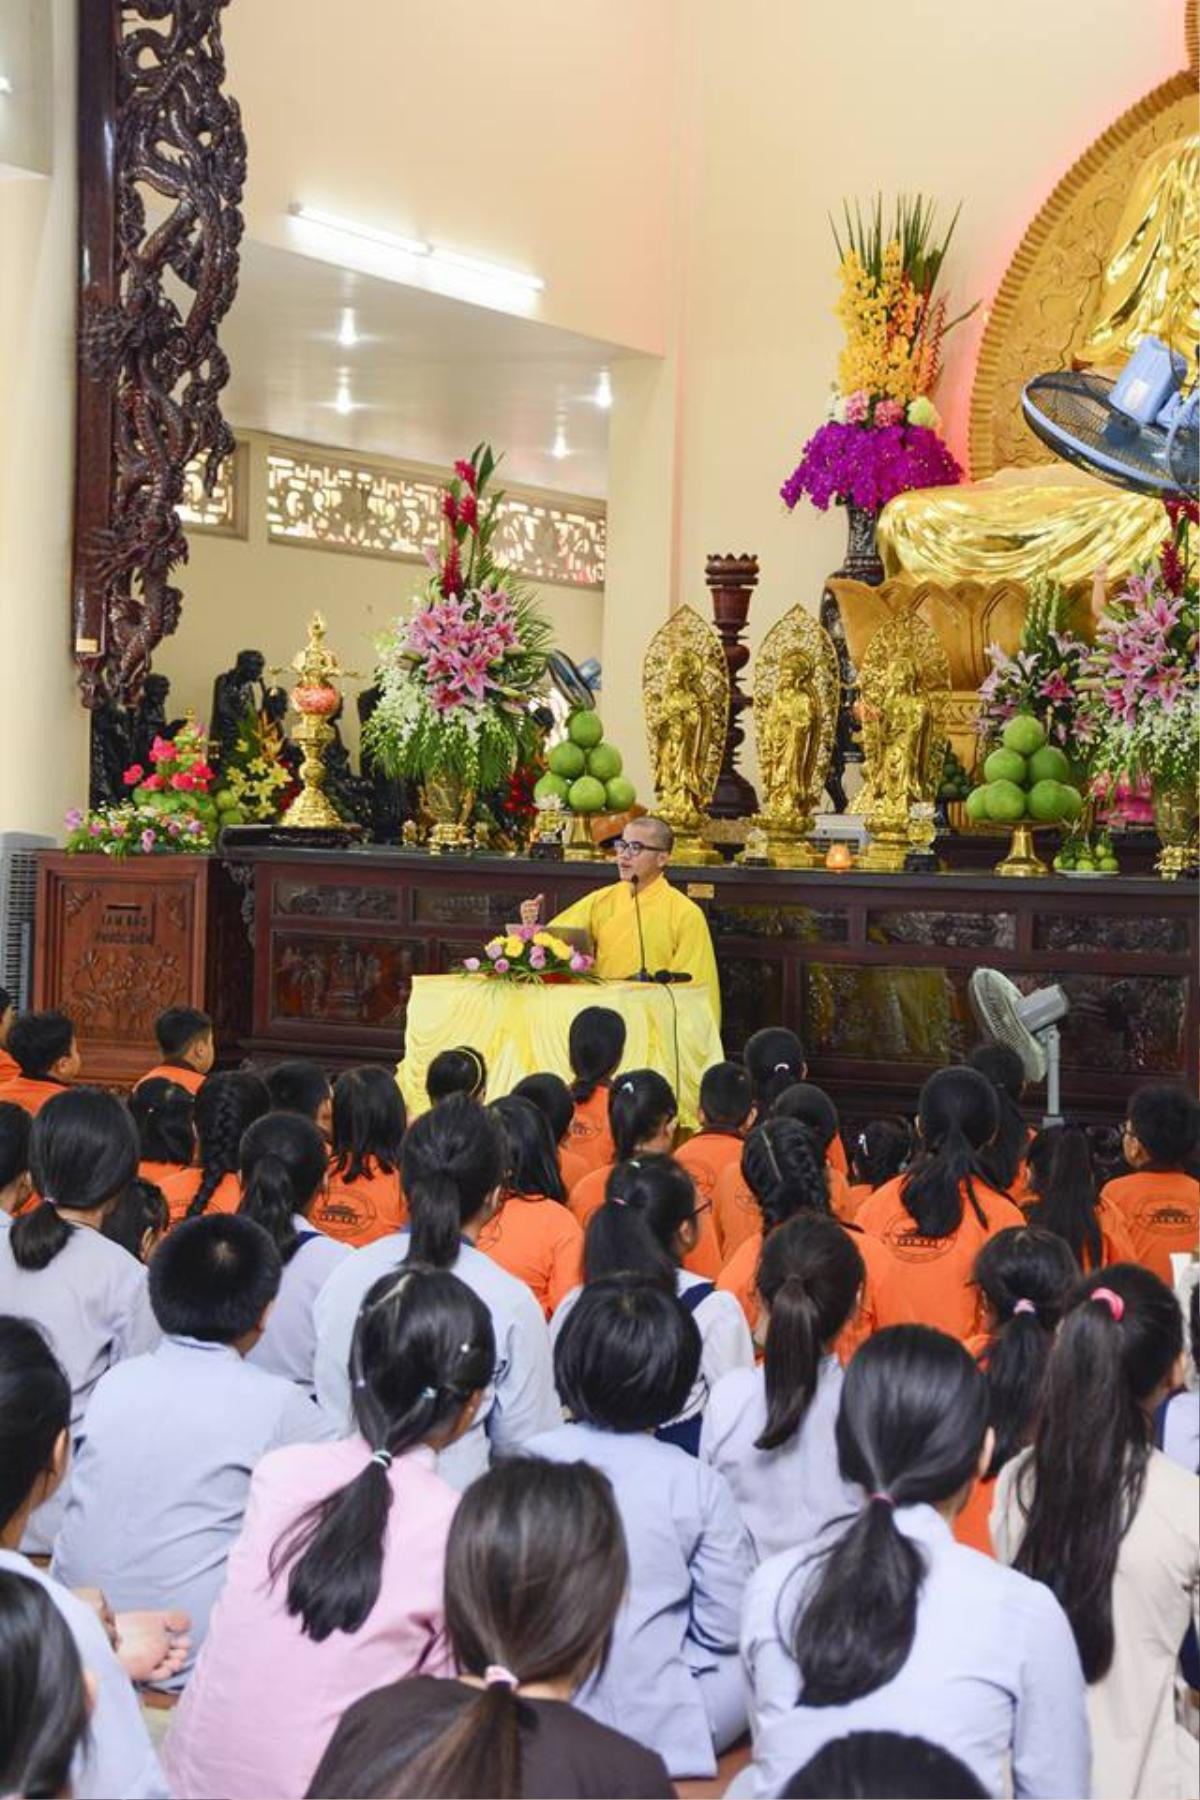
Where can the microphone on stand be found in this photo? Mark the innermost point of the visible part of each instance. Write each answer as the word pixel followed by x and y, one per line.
pixel 643 973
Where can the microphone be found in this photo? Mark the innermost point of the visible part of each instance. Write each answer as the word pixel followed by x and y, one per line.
pixel 670 977
pixel 643 973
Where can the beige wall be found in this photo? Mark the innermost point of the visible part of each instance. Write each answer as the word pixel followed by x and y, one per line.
pixel 251 592
pixel 43 730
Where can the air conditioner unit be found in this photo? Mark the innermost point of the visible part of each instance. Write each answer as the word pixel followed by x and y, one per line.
pixel 18 900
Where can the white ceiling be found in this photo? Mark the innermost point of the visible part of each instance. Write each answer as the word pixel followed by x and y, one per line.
pixel 428 379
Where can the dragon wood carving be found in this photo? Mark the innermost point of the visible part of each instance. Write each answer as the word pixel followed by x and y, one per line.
pixel 153 291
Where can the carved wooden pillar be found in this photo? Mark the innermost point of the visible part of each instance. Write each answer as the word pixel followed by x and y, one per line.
pixel 154 124
pixel 731 581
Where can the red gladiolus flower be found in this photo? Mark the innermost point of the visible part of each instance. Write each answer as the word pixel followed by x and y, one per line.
pixel 466 472
pixel 449 508
pixel 468 511
pixel 452 581
pixel 133 775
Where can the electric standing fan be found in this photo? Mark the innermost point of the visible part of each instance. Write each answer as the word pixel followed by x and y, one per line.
pixel 1027 1023
pixel 1139 430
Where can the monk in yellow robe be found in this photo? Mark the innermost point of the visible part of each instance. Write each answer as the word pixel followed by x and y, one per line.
pixel 674 928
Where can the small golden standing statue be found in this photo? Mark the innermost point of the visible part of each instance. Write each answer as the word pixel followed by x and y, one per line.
pixel 795 716
pixel 685 687
pixel 315 698
pixel 905 687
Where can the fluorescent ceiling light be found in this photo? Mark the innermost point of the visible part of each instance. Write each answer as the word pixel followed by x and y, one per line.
pixel 603 394
pixel 350 228
pixel 559 448
pixel 347 334
pixel 487 271
pixel 5 85
pixel 343 404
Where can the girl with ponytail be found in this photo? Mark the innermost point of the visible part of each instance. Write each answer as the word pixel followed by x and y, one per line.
pixel 1025 1278
pixel 161 1110
pixel 785 1173
pixel 1109 1524
pixel 646 1226
pixel 364 1200
pixel 769 1430
pixel 223 1111
pixel 888 1624
pixel 1064 1198
pixel 536 1570
pixel 1002 1162
pixel 56 1266
pixel 937 1216
pixel 533 1234
pixel 335 1583
pixel 595 1046
pixel 641 1117
pixel 283 1163
pixel 453 1166
pixel 881 1151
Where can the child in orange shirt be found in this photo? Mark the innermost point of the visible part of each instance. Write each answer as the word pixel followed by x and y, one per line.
pixel 726 1114
pixel 785 1171
pixel 937 1216
pixel 300 1086
pixel 775 1060
pixel 1002 1162
pixel 641 1119
pixel 185 1038
pixel 551 1095
pixel 162 1111
pixel 880 1152
pixel 364 1200
pixel 813 1107
pixel 44 1047
pixel 8 1013
pixel 1024 1277
pixel 595 1046
pixel 532 1234
pixel 1063 1199
pixel 458 1071
pixel 735 1209
pixel 224 1109
pixel 1160 1200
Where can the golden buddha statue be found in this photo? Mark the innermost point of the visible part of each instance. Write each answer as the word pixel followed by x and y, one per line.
pixel 796 695
pixel 904 684
pixel 1070 301
pixel 685 687
pixel 679 733
pixel 789 742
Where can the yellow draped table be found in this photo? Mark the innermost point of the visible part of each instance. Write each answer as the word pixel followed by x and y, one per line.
pixel 522 1030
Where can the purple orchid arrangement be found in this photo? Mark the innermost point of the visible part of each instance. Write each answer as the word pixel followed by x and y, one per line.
pixel 868 465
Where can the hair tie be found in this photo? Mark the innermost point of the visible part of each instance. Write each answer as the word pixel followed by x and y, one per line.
pixel 1114 1302
pixel 778 1066
pixel 382 1457
pixel 618 1200
pixel 496 1675
pixel 775 1169
pixel 885 1498
pixel 626 1087
pixel 429 1393
pixel 1024 1306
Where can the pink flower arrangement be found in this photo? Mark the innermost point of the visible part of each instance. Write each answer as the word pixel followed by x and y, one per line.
pixel 168 809
pixel 531 953
pixel 133 774
pixel 868 465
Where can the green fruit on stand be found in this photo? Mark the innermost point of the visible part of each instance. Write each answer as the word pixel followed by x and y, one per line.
pixel 1110 865
pixel 1072 802
pixel 976 804
pixel 1046 801
pixel 585 729
pixel 552 786
pixel 620 793
pixel 567 760
pixel 1005 801
pixel 604 762
pixel 1049 764
pixel 1024 735
pixel 587 795
pixel 1005 765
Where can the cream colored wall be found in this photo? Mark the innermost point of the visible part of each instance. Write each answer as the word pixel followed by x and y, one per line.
pixel 242 593
pixel 43 730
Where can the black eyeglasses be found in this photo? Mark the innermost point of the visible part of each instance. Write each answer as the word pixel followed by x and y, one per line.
pixel 627 847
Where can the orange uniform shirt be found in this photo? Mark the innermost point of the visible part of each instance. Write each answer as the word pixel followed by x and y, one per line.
pixel 1161 1212
pixel 883 1301
pixel 181 1189
pixel 587 1197
pixel 856 1193
pixel 736 1213
pixel 9 1066
pixel 537 1240
pixel 706 1157
pixel 182 1074
pixel 572 1167
pixel 357 1212
pixel 836 1156
pixel 937 1271
pixel 160 1173
pixel 588 1136
pixel 30 1093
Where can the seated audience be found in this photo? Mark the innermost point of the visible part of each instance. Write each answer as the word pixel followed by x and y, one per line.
pixel 813 1107
pixel 936 1217
pixel 453 1171
pixel 883 1765
pixel 1002 1162
pixel 625 1362
pixel 532 1234
pixel 115 1756
pixel 162 1111
pixel 283 1163
pixel 770 1430
pixel 138 1219
pixel 647 1226
pixel 536 1572
pixel 44 1702
pixel 364 1200
pixel 595 1046
pixel 1111 1526
pixel 152 1514
pixel 551 1095
pixel 775 1060
pixel 8 1015
pixel 224 1110
pixel 56 1266
pixel 641 1121
pixel 1061 1196
pixel 881 1151
pixel 726 1114
pixel 459 1071
pixel 890 1625
pixel 1160 1200
pixel 16 1183
pixel 335 1585
pixel 44 1048
pixel 300 1086
pixel 185 1039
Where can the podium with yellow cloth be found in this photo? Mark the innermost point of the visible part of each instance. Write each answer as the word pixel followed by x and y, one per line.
pixel 522 1029
pixel 673 929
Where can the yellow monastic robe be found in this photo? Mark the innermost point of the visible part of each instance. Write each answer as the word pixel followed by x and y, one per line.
pixel 675 930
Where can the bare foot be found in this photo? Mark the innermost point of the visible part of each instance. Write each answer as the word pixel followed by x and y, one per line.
pixel 152 1646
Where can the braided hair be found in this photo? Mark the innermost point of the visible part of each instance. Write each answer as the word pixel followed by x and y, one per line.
pixel 226 1106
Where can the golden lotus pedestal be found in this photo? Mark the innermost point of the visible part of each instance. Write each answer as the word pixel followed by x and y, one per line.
pixel 884 855
pixel 690 849
pixel 788 845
